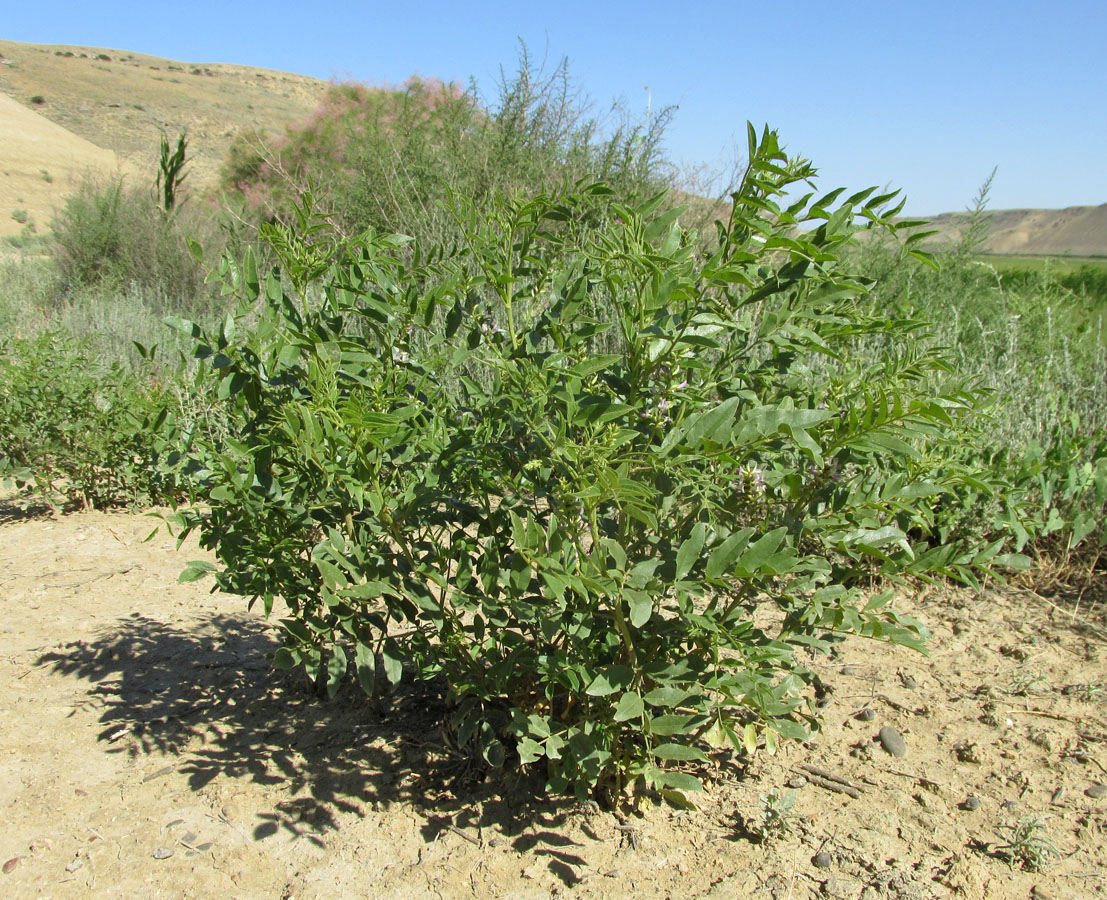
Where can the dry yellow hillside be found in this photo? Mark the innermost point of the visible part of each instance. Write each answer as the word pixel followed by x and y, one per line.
pixel 116 105
pixel 39 162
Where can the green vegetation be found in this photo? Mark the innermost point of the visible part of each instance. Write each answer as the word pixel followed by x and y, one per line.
pixel 562 467
pixel 468 398
pixel 395 159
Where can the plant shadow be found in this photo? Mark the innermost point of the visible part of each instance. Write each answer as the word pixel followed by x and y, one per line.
pixel 160 687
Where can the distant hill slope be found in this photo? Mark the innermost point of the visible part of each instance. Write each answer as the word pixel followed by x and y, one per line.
pixel 87 108
pixel 1075 231
pixel 39 161
pixel 123 102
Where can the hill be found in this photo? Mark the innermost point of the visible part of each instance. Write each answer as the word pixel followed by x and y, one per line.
pixel 109 109
pixel 1075 231
pixel 65 110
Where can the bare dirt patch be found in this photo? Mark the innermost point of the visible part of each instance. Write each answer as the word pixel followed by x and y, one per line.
pixel 147 750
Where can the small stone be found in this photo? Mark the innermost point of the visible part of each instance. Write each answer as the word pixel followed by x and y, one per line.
pixel 1009 805
pixel 822 860
pixel 909 682
pixel 971 804
pixel 866 715
pixel 1040 893
pixel 1096 791
pixel 892 741
pixel 849 670
pixel 163 853
pixel 797 782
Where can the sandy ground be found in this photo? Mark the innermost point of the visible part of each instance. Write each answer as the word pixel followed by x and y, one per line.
pixel 147 750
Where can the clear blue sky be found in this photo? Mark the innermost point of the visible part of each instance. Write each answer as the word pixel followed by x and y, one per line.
pixel 924 96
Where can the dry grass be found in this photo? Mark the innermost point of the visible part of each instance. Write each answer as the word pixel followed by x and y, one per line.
pixel 103 114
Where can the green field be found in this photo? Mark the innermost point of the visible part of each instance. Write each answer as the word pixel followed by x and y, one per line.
pixel 1058 265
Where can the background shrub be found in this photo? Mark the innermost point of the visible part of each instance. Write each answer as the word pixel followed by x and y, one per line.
pixel 394 159
pixel 111 237
pixel 89 433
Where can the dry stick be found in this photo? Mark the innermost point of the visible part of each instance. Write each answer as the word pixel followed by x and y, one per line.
pixel 1042 712
pixel 831 782
pixel 829 776
pixel 73 584
pixel 461 834
pixel 920 778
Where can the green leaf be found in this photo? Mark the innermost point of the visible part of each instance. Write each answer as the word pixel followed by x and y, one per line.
pixel 689 551
pixel 722 558
pixel 366 662
pixel 393 660
pixel 1018 561
pixel 679 781
pixel 284 659
pixel 336 669
pixel 195 570
pixel 714 424
pixel 760 551
pixel 612 679
pixel 678 751
pixel 667 696
pixel 630 706
pixel 641 606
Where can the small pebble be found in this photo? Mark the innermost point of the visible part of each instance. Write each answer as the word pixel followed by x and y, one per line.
pixel 909 682
pixel 866 715
pixel 849 670
pixel 1009 805
pixel 1096 791
pixel 822 860
pixel 893 741
pixel 163 853
pixel 971 804
pixel 797 782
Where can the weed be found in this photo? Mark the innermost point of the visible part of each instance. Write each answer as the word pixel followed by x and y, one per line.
pixel 21 216
pixel 1027 845
pixel 46 176
pixel 1088 692
pixel 1024 682
pixel 777 817
pixel 38 100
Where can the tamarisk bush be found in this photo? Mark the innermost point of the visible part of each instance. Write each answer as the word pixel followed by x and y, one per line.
pixel 580 469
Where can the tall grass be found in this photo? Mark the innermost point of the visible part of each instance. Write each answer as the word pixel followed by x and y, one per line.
pixel 1037 344
pixel 394 158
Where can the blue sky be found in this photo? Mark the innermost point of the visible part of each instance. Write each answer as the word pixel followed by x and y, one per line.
pixel 927 97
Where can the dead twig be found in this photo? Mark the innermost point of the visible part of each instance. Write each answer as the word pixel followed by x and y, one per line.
pixel 102 575
pixel 461 834
pixel 922 779
pixel 831 782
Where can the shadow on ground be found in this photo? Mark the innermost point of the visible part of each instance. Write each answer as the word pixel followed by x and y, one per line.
pixel 22 507
pixel 160 687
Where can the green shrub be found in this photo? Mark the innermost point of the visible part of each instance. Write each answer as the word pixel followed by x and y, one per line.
pixel 392 159
pixel 1039 348
pixel 94 435
pixel 113 236
pixel 579 470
